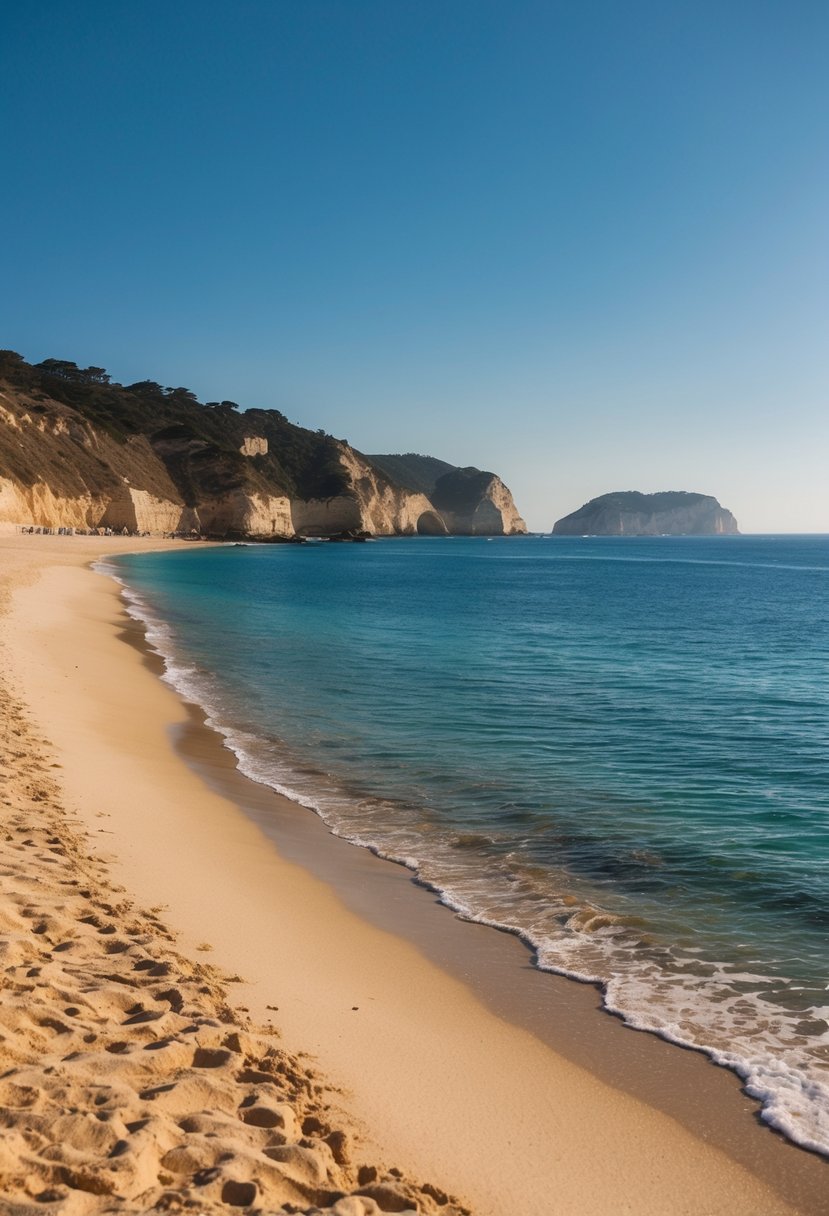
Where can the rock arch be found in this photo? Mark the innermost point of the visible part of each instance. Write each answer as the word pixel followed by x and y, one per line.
pixel 430 524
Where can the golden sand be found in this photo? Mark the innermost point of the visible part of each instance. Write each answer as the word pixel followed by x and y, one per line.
pixel 131 1075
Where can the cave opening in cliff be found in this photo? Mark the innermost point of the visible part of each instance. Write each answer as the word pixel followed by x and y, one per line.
pixel 430 524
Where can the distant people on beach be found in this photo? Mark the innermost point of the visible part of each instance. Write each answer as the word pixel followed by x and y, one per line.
pixel 41 530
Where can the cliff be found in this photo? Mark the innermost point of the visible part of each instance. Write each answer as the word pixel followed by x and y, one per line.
pixel 476 503
pixel 414 472
pixel 81 452
pixel 466 501
pixel 629 513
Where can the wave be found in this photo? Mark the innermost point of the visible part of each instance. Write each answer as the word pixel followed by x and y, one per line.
pixel 676 993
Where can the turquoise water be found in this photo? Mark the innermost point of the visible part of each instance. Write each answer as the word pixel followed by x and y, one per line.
pixel 616 747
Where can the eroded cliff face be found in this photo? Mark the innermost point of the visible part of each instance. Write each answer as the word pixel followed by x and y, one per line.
pixel 476 503
pixel 60 471
pixel 240 513
pixel 371 505
pixel 146 459
pixel 141 511
pixel 37 505
pixel 374 503
pixel 629 513
pixel 463 502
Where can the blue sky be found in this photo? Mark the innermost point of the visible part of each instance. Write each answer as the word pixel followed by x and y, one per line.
pixel 584 245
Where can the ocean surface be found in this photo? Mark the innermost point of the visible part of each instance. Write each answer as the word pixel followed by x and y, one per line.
pixel 618 748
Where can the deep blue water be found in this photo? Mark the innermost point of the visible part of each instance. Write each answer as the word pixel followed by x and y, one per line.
pixel 617 747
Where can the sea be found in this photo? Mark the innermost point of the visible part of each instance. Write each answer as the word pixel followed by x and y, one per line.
pixel 617 748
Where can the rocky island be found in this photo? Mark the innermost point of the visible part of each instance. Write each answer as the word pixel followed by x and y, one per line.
pixel 79 451
pixel 629 513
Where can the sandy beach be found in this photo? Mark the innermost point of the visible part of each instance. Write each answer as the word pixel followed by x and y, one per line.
pixel 197 1017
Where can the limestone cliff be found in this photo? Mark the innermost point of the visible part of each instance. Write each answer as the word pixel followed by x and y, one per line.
pixel 411 470
pixel 475 503
pixel 377 504
pixel 629 513
pixel 38 505
pixel 78 451
pixel 59 470
pixel 463 501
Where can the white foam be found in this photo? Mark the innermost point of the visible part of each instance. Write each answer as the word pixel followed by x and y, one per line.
pixel 778 1064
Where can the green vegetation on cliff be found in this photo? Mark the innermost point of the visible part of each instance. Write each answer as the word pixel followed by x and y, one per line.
pixel 77 450
pixel 460 490
pixel 412 471
pixel 198 443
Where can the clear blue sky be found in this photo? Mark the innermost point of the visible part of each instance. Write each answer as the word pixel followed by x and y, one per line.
pixel 584 245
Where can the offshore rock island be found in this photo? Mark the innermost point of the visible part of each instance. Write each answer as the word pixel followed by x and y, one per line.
pixel 79 451
pixel 629 513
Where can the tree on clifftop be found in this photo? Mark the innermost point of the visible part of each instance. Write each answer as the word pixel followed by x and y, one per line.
pixel 12 364
pixel 180 395
pixel 62 369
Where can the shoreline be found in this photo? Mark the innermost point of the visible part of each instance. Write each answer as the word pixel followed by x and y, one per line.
pixel 498 965
pixel 130 1081
pixel 537 1044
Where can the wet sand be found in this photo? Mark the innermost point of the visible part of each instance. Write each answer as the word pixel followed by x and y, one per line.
pixel 457 1061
